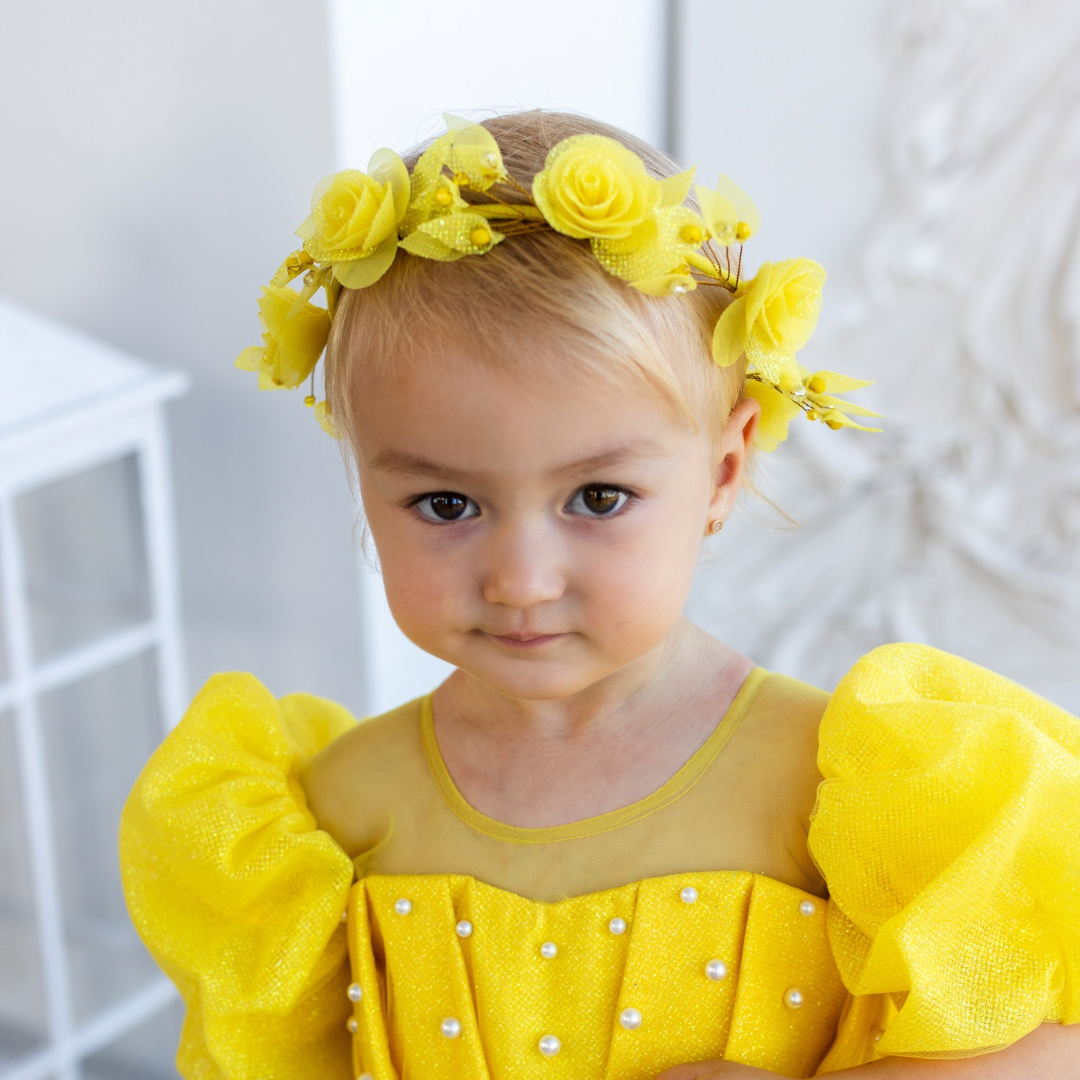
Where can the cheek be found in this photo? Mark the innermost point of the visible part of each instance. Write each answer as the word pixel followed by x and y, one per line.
pixel 419 587
pixel 422 591
pixel 644 578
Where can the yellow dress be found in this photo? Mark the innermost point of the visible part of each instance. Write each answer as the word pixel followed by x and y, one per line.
pixel 938 914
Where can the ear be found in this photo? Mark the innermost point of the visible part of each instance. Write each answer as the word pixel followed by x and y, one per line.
pixel 729 459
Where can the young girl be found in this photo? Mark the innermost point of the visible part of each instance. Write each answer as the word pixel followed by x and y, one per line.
pixel 608 845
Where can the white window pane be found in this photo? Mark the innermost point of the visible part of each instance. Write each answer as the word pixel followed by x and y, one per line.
pixel 147 1052
pixel 98 733
pixel 22 997
pixel 84 556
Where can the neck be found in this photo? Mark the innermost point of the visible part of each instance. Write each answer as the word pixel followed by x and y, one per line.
pixel 537 763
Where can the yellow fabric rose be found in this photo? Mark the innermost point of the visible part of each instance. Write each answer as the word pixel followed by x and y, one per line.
pixel 771 317
pixel 292 343
pixel 354 219
pixel 592 186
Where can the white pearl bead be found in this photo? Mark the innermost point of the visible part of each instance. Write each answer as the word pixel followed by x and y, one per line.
pixel 807 907
pixel 550 1045
pixel 716 970
pixel 689 894
pixel 630 1019
pixel 451 1027
pixel 355 992
pixel 548 950
pixel 617 926
pixel 793 997
pixel 877 1033
pixel 403 906
pixel 464 928
pixel 352 1024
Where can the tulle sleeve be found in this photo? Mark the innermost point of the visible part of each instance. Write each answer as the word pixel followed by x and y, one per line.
pixel 948 831
pixel 236 893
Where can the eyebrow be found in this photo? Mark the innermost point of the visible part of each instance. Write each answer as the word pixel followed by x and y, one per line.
pixel 396 461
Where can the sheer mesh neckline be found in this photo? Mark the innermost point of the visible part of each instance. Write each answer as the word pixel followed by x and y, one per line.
pixel 683 779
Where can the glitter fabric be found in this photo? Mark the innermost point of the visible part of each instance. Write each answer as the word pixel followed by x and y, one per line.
pixel 944 829
pixel 416 972
pixel 948 829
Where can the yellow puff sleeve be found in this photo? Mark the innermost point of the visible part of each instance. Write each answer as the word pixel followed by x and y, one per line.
pixel 236 893
pixel 948 830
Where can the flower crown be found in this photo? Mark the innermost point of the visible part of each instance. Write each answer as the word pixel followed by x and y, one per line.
pixel 591 188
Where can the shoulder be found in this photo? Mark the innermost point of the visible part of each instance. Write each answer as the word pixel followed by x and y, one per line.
pixel 784 715
pixel 353 779
pixel 376 743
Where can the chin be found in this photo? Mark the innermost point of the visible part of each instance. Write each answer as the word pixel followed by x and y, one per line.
pixel 540 682
pixel 530 681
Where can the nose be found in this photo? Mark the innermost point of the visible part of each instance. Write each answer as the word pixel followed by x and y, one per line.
pixel 522 566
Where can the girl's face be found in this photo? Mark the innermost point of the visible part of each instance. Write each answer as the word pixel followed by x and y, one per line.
pixel 538 535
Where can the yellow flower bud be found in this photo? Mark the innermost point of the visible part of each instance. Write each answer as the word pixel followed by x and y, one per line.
pixel 812 414
pixel 816 385
pixel 834 424
pixel 444 196
pixel 742 231
pixel 309 401
pixel 691 234
pixel 480 236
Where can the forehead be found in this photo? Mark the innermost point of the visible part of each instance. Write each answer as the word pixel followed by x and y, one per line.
pixel 473 417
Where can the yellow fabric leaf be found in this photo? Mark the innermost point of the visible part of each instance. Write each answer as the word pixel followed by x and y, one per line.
pixel 719 214
pixel 419 243
pixel 472 150
pixel 360 273
pixel 777 412
pixel 326 421
pixel 835 383
pixel 704 264
pixel 745 208
pixel 729 335
pixel 654 249
pixel 458 231
pixel 674 189
pixel 666 284
pixel 249 359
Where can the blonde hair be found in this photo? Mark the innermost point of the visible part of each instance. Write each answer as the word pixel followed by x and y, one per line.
pixel 542 286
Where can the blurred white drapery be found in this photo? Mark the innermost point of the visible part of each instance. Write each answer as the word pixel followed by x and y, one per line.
pixel 960 525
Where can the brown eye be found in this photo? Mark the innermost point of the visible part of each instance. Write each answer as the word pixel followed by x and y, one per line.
pixel 599 500
pixel 445 506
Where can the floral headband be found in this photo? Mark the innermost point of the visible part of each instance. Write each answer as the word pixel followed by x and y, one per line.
pixel 591 188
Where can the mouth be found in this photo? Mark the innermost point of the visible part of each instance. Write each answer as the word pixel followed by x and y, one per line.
pixel 524 640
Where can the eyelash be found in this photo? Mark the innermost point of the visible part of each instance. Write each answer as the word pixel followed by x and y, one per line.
pixel 628 498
